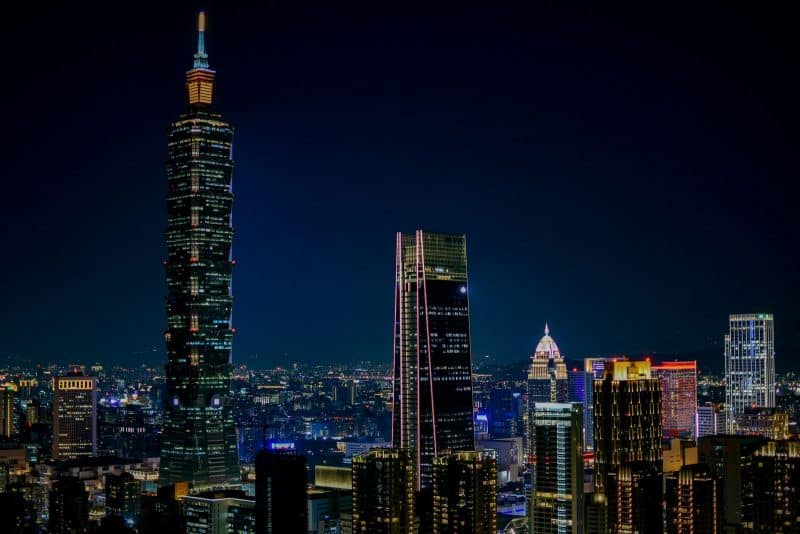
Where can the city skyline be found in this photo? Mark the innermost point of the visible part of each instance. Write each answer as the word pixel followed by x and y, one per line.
pixel 512 293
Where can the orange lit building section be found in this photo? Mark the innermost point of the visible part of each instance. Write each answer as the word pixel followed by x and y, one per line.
pixel 200 86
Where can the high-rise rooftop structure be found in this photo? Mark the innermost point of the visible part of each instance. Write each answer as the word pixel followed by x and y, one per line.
pixel 383 492
pixel 678 397
pixel 198 444
pixel 74 416
pixel 557 499
pixel 749 365
pixel 465 492
pixel 547 374
pixel 432 404
pixel 627 433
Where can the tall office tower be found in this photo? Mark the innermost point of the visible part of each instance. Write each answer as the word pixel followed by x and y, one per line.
pixel 74 416
pixel 383 492
pixel 627 430
pixel 198 444
pixel 7 392
pixel 547 374
pixel 776 488
pixel 593 368
pixel 693 501
pixel 731 460
pixel 678 397
pixel 432 404
pixel 280 492
pixel 749 365
pixel 69 506
pixel 557 500
pixel 465 492
pixel 710 420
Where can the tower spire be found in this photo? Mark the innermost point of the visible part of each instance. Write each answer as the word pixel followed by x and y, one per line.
pixel 546 329
pixel 201 58
pixel 200 79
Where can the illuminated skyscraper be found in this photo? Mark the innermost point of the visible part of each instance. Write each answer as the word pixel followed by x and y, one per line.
pixel 678 397
pixel 7 392
pixel 547 374
pixel 199 441
pixel 432 406
pixel 627 434
pixel 594 371
pixel 465 492
pixel 749 365
pixel 557 499
pixel 547 379
pixel 74 416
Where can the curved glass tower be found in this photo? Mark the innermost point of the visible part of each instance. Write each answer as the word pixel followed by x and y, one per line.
pixel 198 444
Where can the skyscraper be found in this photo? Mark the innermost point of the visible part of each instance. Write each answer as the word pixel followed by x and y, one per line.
pixel 432 404
pixel 199 442
pixel 547 374
pixel 557 499
pixel 465 492
pixel 749 365
pixel 7 392
pixel 74 416
pixel 678 397
pixel 594 371
pixel 627 433
pixel 383 492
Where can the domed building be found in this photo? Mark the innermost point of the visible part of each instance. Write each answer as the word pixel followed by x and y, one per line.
pixel 547 374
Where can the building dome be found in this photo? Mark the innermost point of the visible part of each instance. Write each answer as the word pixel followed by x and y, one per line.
pixel 547 347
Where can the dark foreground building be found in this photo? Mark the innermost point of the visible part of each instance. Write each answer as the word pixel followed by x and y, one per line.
pixel 432 360
pixel 383 492
pixel 199 441
pixel 281 504
pixel 465 492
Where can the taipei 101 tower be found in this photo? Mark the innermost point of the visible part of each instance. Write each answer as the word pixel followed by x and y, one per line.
pixel 198 444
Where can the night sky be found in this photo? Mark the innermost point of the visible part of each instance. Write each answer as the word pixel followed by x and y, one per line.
pixel 625 173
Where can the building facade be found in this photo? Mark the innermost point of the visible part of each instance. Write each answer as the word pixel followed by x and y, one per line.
pixel 384 485
pixel 776 476
pixel 432 397
pixel 74 416
pixel 692 500
pixel 749 365
pixel 627 433
pixel 557 498
pixel 465 492
pixel 198 444
pixel 678 397
pixel 594 368
pixel 7 392
pixel 710 420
